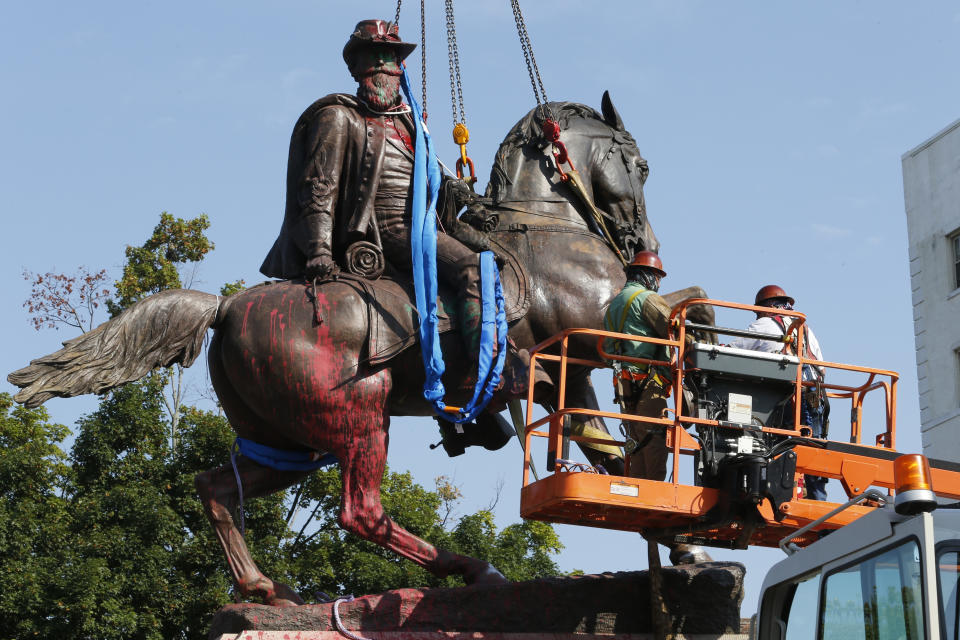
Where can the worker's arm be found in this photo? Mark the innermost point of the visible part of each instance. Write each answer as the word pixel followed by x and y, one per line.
pixel 656 312
pixel 764 324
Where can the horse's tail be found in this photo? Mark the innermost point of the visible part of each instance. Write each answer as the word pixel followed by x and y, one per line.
pixel 161 330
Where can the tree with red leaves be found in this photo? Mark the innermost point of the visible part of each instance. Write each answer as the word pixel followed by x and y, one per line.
pixel 71 300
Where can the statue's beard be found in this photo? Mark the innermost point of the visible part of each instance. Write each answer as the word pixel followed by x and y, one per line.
pixel 381 91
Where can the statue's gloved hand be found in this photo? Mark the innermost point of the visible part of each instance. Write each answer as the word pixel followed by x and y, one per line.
pixel 320 266
pixel 469 236
pixel 461 193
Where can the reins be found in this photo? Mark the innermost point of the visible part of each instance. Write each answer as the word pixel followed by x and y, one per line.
pixel 597 220
pixel 576 185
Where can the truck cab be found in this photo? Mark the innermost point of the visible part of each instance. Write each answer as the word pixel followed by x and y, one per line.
pixel 884 576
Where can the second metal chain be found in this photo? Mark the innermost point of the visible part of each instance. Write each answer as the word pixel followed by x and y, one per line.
pixel 539 93
pixel 423 53
pixel 453 55
pixel 423 59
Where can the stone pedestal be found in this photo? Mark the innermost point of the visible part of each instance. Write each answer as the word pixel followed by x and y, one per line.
pixel 704 601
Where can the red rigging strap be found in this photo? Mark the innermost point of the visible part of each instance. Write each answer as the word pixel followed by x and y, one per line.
pixel 551 132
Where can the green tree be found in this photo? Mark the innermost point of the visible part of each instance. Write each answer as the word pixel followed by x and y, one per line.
pixel 34 519
pixel 232 287
pixel 124 526
pixel 157 265
pixel 145 562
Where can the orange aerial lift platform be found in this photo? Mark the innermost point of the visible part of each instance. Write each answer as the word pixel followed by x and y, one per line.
pixel 732 417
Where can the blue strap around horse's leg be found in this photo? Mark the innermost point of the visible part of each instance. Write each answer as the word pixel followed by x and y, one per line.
pixel 423 241
pixel 279 459
pixel 283 459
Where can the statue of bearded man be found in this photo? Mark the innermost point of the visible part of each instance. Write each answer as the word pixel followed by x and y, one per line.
pixel 349 178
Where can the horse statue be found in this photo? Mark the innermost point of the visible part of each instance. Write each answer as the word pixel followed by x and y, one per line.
pixel 293 365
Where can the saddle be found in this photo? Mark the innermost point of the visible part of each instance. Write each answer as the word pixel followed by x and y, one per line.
pixel 392 319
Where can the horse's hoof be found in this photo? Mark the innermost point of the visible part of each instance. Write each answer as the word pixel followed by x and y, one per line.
pixel 283 596
pixel 282 602
pixel 689 554
pixel 486 575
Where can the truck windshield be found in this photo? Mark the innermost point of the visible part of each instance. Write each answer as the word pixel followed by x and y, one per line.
pixel 801 625
pixel 948 561
pixel 879 598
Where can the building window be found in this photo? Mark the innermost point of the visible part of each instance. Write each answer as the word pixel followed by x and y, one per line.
pixel 955 256
pixel 956 358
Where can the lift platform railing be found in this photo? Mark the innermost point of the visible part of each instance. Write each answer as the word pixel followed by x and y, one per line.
pixel 679 326
pixel 671 506
pixel 794 335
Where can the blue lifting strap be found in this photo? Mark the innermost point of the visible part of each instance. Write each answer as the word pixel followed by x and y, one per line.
pixel 282 459
pixel 423 241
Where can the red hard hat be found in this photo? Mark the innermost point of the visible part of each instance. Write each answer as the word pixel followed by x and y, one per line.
pixel 648 259
pixel 771 291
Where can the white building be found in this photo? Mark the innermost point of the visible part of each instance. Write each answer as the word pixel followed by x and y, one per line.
pixel 931 189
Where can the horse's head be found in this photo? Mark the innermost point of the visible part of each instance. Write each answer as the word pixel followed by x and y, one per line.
pixel 605 155
pixel 618 176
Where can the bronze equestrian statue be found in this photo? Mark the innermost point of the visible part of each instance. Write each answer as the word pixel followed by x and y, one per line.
pixel 320 361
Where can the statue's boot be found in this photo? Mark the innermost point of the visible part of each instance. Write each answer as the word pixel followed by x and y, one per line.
pixel 681 553
pixel 490 431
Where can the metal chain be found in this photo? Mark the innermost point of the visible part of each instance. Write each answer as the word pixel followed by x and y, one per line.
pixel 396 19
pixel 539 93
pixel 453 56
pixel 423 59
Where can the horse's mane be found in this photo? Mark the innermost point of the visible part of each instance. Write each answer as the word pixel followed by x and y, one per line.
pixel 529 130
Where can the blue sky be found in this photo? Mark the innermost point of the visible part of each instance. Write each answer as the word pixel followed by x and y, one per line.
pixel 773 132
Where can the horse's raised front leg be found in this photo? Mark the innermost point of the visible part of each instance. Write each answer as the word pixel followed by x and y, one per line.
pixel 699 313
pixel 362 466
pixel 218 493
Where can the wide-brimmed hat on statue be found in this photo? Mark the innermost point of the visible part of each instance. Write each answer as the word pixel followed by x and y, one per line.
pixel 376 33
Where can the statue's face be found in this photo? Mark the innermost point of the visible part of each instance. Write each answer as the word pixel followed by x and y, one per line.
pixel 374 59
pixel 377 71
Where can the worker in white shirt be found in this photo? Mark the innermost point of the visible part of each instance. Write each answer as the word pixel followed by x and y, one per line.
pixel 776 298
pixel 814 409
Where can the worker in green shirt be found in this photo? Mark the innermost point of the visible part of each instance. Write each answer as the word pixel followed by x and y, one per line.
pixel 639 310
pixel 643 389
